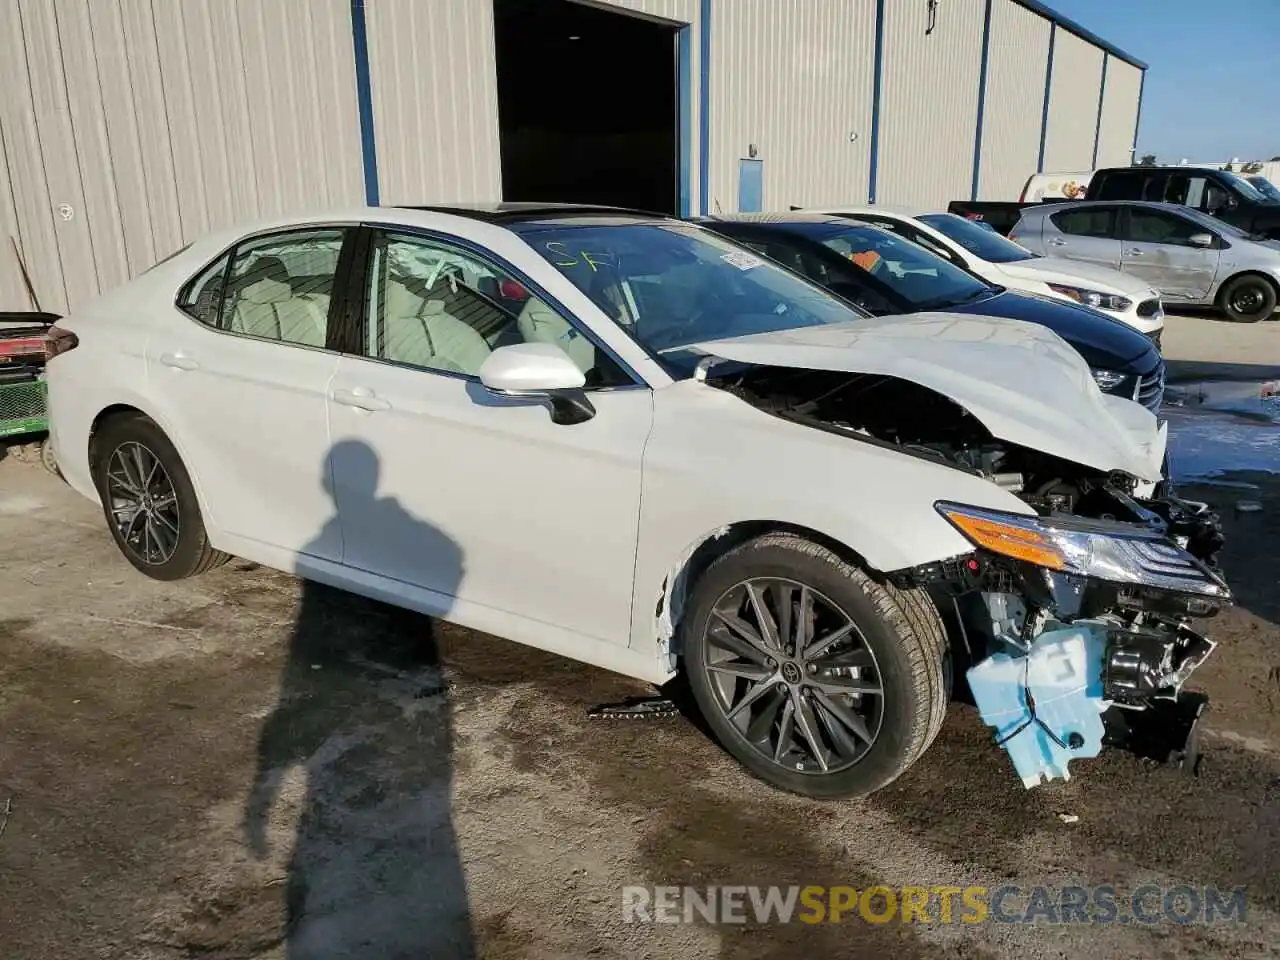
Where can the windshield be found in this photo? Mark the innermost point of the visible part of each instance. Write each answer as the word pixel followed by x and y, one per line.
pixel 1221 226
pixel 923 279
pixel 1266 188
pixel 984 242
pixel 670 285
pixel 1245 188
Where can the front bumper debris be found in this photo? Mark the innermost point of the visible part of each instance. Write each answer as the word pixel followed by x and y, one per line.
pixel 1086 685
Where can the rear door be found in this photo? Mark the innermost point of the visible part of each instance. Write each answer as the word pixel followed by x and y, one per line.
pixel 1156 246
pixel 242 372
pixel 1087 234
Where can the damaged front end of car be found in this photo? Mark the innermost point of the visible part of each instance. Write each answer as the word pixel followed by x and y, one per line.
pixel 1070 616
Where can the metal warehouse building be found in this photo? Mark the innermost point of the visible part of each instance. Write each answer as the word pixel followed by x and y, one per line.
pixel 128 127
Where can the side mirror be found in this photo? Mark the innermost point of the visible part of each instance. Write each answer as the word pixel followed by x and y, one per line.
pixel 1201 240
pixel 541 372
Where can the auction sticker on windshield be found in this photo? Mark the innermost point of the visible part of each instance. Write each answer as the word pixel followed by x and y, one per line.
pixel 741 259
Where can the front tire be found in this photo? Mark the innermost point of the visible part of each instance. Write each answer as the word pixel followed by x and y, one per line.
pixel 149 501
pixel 1248 299
pixel 818 679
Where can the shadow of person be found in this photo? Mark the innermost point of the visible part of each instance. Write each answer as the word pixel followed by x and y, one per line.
pixel 364 714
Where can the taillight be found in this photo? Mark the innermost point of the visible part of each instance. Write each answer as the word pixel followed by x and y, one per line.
pixel 58 341
pixel 17 349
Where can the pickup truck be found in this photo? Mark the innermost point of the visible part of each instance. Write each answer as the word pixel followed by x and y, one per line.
pixel 1219 193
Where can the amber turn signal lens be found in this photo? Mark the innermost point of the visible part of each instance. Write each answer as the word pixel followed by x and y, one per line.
pixel 1009 540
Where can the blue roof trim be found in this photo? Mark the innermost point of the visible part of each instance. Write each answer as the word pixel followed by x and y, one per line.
pixel 364 103
pixel 1102 100
pixel 874 171
pixel 704 105
pixel 1070 25
pixel 982 101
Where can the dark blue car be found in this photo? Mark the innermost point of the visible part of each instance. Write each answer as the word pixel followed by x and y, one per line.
pixel 886 274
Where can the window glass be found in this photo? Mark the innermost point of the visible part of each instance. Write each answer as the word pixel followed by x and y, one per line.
pixel 439 307
pixel 1242 186
pixel 1150 226
pixel 1266 188
pixel 1086 221
pixel 1122 186
pixel 203 295
pixel 922 280
pixel 1215 198
pixel 280 286
pixel 979 239
pixel 670 285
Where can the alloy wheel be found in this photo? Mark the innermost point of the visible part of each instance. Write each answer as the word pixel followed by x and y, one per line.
pixel 143 503
pixel 793 673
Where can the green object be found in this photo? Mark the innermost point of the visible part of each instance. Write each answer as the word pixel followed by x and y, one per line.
pixel 23 408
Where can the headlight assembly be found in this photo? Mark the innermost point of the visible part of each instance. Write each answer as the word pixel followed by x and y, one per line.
pixel 1093 298
pixel 1086 548
pixel 1108 380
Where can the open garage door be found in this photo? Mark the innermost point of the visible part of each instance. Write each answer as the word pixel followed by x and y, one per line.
pixel 587 105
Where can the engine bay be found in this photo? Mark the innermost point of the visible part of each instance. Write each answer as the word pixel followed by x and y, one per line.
pixel 1058 662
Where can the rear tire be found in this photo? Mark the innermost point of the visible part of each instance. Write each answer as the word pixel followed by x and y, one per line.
pixel 894 642
pixel 1248 299
pixel 149 501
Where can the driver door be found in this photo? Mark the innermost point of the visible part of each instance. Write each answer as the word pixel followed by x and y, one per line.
pixel 1156 247
pixel 481 499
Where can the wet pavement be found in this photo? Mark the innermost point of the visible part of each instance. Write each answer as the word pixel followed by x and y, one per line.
pixel 1217 428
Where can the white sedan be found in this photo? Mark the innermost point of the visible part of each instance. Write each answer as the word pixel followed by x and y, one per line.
pixel 626 440
pixel 999 260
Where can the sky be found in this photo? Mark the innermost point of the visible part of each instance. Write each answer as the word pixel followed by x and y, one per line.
pixel 1213 88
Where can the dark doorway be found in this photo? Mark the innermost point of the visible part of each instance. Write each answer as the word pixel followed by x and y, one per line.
pixel 587 105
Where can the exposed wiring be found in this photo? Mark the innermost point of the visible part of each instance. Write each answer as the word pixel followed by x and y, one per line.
pixel 1030 703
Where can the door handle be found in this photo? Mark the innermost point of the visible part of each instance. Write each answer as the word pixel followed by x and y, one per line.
pixel 179 361
pixel 362 398
pixel 1134 252
pixel 1057 242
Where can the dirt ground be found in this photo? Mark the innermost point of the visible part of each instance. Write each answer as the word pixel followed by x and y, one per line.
pixel 242 765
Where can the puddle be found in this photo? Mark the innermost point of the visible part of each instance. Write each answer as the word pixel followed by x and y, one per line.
pixel 1222 427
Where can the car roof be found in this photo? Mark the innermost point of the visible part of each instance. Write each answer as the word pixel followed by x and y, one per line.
pixel 1048 208
pixel 799 216
pixel 858 209
pixel 508 212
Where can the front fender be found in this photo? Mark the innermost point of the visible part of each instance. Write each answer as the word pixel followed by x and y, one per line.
pixel 714 463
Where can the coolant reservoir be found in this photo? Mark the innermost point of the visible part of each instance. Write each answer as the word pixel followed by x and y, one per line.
pixel 1046 706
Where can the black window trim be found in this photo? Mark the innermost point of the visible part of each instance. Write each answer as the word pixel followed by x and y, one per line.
pixel 357 310
pixel 912 234
pixel 1126 212
pixel 1117 207
pixel 336 299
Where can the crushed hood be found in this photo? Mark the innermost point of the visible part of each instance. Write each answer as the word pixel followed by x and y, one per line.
pixel 1020 380
pixel 1103 279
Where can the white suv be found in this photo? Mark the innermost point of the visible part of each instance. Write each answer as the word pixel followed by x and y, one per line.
pixel 1001 261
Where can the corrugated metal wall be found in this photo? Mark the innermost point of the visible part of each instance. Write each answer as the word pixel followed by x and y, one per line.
pixel 132 127
pixel 1073 103
pixel 1119 113
pixel 1019 52
pixel 435 100
pixel 929 101
pixel 794 78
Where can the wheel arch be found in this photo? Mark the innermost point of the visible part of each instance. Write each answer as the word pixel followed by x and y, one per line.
pixel 1240 274
pixel 131 407
pixel 701 553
